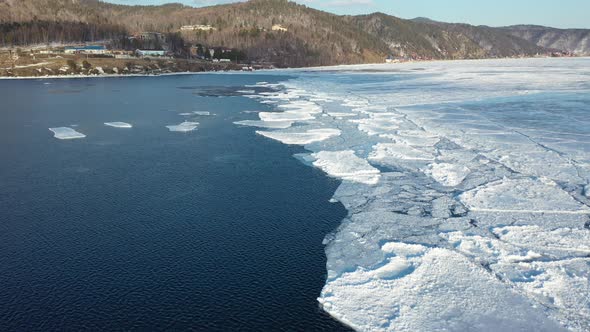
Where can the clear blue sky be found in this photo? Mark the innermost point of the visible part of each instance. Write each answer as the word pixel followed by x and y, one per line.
pixel 556 13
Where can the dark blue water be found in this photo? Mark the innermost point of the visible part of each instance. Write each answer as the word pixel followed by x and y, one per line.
pixel 146 229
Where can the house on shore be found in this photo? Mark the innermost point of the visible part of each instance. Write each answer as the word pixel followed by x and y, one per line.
pixel 198 27
pixel 150 53
pixel 89 49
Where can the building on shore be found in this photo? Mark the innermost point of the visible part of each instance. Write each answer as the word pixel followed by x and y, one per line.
pixel 149 37
pixel 150 53
pixel 89 49
pixel 198 27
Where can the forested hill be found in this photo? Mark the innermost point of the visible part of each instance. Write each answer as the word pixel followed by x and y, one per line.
pixel 570 40
pixel 313 37
pixel 438 40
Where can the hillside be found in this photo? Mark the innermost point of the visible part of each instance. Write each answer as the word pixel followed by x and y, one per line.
pixel 313 37
pixel 571 40
pixel 438 40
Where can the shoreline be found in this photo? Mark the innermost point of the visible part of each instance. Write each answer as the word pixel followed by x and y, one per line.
pixel 60 77
pixel 312 68
pixel 426 61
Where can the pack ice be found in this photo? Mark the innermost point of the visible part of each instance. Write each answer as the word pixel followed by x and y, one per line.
pixel 467 186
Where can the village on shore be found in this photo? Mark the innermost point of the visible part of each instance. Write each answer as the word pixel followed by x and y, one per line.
pixel 146 53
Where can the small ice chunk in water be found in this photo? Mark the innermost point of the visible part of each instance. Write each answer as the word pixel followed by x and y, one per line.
pixel 285 116
pixel 186 126
pixel 66 133
pixel 118 124
pixel 203 113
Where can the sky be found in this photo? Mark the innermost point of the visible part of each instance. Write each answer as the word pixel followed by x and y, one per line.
pixel 555 13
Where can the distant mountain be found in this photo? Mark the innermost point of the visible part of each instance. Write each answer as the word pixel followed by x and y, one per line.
pixel 570 40
pixel 312 37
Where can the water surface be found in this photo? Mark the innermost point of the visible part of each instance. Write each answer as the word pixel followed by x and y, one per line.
pixel 143 228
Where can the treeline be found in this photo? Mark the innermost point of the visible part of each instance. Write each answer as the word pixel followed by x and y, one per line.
pixel 43 32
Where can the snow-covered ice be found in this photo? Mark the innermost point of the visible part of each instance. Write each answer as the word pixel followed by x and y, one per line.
pixel 447 174
pixel 66 133
pixel 522 195
pixel 118 124
pixel 467 186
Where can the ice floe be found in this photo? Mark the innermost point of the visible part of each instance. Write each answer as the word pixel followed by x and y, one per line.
pixel 265 124
pixel 185 126
pixel 66 133
pixel 347 166
pixel 392 153
pixel 447 174
pixel 118 124
pixel 301 138
pixel 379 123
pixel 429 289
pixel 201 113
